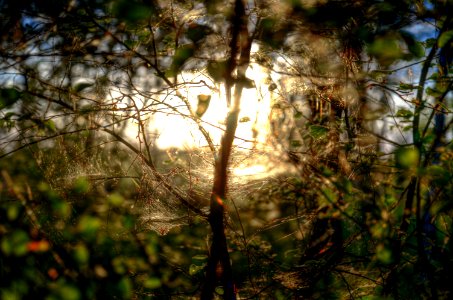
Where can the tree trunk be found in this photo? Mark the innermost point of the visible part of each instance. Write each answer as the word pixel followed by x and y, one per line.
pixel 219 265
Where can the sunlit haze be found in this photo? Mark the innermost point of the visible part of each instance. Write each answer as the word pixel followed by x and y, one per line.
pixel 180 132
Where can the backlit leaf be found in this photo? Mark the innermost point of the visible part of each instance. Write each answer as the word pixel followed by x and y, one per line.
pixel 407 157
pixel 444 38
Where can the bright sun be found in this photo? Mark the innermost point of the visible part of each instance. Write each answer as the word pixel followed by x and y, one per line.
pixel 179 132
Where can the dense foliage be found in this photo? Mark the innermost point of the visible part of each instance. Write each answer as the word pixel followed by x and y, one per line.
pixel 355 201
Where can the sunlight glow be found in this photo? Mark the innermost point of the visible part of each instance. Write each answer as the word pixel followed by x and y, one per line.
pixel 253 124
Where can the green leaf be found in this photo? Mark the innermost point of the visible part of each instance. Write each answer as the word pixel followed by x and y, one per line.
pixel 407 128
pixel 197 32
pixel 89 225
pixel 434 76
pixel 407 157
pixel 386 49
pixel 132 11
pixel 383 254
pixel 61 208
pixel 296 143
pixel 318 131
pixel 8 97
pixel 194 269
pixel 152 283
pixel 13 211
pixel 271 33
pixel 417 49
pixel 125 287
pixel 219 290
pixel 298 115
pixel 15 243
pixel 217 69
pixel 438 174
pixel 430 42
pixel 182 54
pixel 329 195
pixel 244 119
pixel 65 291
pixel 200 257
pixel 81 185
pixel 81 254
pixel 406 86
pixel 49 124
pixel 433 92
pixel 404 113
pixel 444 38
pixel 115 199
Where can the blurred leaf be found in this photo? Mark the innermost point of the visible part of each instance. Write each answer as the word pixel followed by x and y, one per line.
pixel 404 113
pixel 152 283
pixel 81 254
pixel 434 76
pixel 203 104
pixel 407 128
pixel 271 33
pixel 386 49
pixel 444 38
pixel 406 86
pixel 61 208
pixel 89 225
pixel 200 257
pixel 115 199
pixel 182 54
pixel 219 290
pixel 81 185
pixel 217 69
pixel 439 175
pixel 344 185
pixel 8 96
pixel 298 115
pixel 407 157
pixel 132 11
pixel 330 195
pixel 384 254
pixel 49 124
pixel 63 290
pixel 244 119
pixel 125 287
pixel 414 47
pixel 296 143
pixel 246 82
pixel 194 269
pixel 318 131
pixel 15 243
pixel 10 294
pixel 433 92
pixel 417 49
pixel 197 32
pixel 13 211
pixel 430 42
pixel 272 87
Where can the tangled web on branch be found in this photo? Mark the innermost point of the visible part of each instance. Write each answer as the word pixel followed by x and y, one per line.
pixel 161 210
